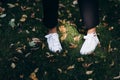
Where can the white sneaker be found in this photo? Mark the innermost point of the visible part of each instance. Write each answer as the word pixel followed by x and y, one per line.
pixel 91 41
pixel 53 42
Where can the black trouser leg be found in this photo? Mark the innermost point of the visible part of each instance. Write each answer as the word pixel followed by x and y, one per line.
pixel 50 10
pixel 89 12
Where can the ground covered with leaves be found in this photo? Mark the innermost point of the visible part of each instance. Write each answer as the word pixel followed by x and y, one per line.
pixel 24 54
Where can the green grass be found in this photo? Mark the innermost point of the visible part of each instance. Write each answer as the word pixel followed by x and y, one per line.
pixel 15 48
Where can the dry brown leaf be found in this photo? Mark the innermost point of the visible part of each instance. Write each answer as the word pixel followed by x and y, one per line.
pixel 73 45
pixel 33 76
pixel 35 79
pixel 109 47
pixel 63 37
pixel 77 38
pixel 71 67
pixel 111 28
pixel 112 64
pixel 43 45
pixel 62 29
pixel 65 53
pixel 13 65
pixel 33 15
pixel 21 76
pixel 60 70
pixel 23 19
pixel 105 24
pixel 36 70
pixel 36 40
pixel 34 29
pixel 117 77
pixel 80 59
pixel 10 5
pixel 19 51
pixel 75 2
pixel 45 72
pixel 85 65
pixel 49 55
pixel 90 79
pixel 27 31
pixel 89 72
pixel 24 16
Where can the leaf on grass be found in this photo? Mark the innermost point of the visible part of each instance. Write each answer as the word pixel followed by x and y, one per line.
pixel 60 70
pixel 61 5
pixel 43 45
pixel 27 54
pixel 15 59
pixel 36 70
pixel 11 45
pixel 33 76
pixel 112 64
pixel 63 37
pixel 36 40
pixel 75 2
pixel 45 73
pixel 13 65
pixel 32 15
pixel 21 76
pixel 12 23
pixel 73 45
pixel 71 67
pixel 11 5
pixel 85 65
pixel 65 53
pixel 105 24
pixel 77 38
pixel 33 29
pixel 62 29
pixel 23 18
pixel 2 10
pixel 109 47
pixel 49 55
pixel 19 50
pixel 32 44
pixel 80 59
pixel 90 79
pixel 111 28
pixel 27 31
pixel 89 72
pixel 117 77
pixel 2 15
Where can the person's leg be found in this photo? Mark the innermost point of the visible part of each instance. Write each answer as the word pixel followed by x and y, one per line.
pixel 50 20
pixel 50 13
pixel 89 13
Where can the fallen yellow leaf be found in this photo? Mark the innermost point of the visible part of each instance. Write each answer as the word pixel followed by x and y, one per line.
pixel 77 38
pixel 63 37
pixel 89 72
pixel 73 45
pixel 62 29
pixel 71 67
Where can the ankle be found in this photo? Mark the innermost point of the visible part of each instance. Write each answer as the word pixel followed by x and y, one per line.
pixel 92 30
pixel 53 30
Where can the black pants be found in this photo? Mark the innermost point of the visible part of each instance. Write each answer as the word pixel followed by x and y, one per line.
pixel 88 11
